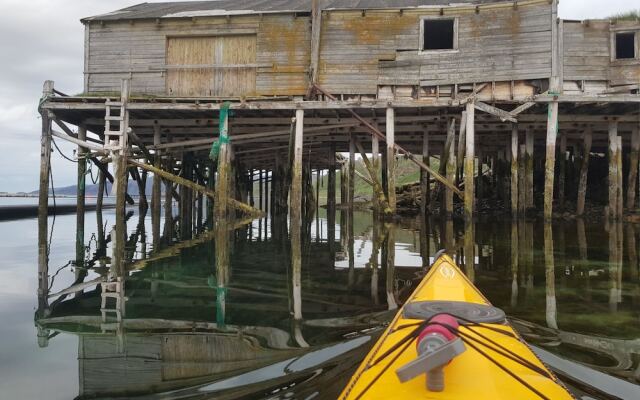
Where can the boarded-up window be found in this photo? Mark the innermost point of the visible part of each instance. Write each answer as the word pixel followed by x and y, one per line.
pixel 211 66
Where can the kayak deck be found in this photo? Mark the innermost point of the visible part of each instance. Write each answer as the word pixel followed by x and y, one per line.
pixel 470 375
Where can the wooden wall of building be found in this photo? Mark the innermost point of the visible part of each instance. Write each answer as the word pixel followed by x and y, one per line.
pixel 117 50
pixel 359 52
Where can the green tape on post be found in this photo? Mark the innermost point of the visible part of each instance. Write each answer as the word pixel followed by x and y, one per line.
pixel 224 132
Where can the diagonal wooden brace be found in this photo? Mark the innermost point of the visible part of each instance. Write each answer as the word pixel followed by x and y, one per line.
pixel 377 186
pixel 245 208
pixel 376 132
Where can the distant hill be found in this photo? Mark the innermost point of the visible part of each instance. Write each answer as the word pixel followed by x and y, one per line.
pixel 92 190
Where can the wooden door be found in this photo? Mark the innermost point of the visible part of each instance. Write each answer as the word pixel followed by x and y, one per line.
pixel 228 66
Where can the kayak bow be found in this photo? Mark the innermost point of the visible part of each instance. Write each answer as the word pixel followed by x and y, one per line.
pixel 449 336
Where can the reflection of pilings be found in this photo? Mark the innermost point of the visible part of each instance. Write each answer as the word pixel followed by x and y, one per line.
pixel 424 239
pixel 615 265
pixel 514 262
pixel 551 310
pixel 390 253
pixel 469 248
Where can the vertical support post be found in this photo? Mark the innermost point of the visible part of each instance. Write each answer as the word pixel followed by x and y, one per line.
pixel 613 169
pixel 469 161
pixel 633 167
pixel 331 199
pixel 119 157
pixel 43 204
pixel 168 204
pixel 352 170
pixel 391 159
pixel 529 144
pixel 295 213
pixel 80 199
pixel 425 178
pixel 584 171
pixel 514 169
pixel 156 191
pixel 550 163
pixel 619 191
pixel 522 190
pixel 562 169
pixel 224 173
pixel 375 160
pixel 450 169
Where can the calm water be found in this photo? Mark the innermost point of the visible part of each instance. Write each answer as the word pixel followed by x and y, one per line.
pixel 191 329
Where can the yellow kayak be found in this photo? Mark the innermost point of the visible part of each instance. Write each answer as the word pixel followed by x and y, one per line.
pixel 448 342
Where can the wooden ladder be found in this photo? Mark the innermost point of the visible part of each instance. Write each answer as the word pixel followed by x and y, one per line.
pixel 113 137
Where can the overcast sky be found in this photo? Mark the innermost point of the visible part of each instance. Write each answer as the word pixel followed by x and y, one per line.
pixel 43 39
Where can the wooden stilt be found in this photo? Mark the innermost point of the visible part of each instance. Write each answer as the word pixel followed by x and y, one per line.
pixel 619 190
pixel 168 204
pixel 612 207
pixel 80 198
pixel 120 174
pixel 156 190
pixel 375 160
pixel 584 171
pixel 391 159
pixel 43 206
pixel 450 170
pixel 522 190
pixel 633 168
pixel 295 213
pixel 222 183
pixel 469 173
pixel 352 170
pixel 424 177
pixel 514 151
pixel 550 161
pixel 529 143
pixel 562 169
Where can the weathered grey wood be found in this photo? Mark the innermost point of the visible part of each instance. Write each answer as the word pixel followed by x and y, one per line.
pixel 469 162
pixel 156 191
pixel 613 170
pixel 295 209
pixel 447 204
pixel 529 143
pixel 514 169
pixel 391 159
pixel 352 170
pixel 633 168
pixel 550 161
pixel 425 184
pixel 316 34
pixel 495 111
pixel 584 171
pixel 80 197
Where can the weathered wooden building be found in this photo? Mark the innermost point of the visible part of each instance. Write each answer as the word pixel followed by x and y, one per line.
pixel 222 98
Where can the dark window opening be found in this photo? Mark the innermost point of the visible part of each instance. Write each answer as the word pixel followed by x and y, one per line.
pixel 625 46
pixel 438 34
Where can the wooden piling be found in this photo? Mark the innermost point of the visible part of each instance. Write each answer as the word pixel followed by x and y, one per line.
pixel 633 168
pixel 619 190
pixel 450 169
pixel 375 161
pixel 80 198
pixel 390 261
pixel 168 204
pixel 514 151
pixel 522 189
pixel 469 173
pixel 156 189
pixel 224 166
pixel 352 170
pixel 43 204
pixel 295 208
pixel 550 160
pixel 584 171
pixel 425 184
pixel 391 159
pixel 529 144
pixel 612 207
